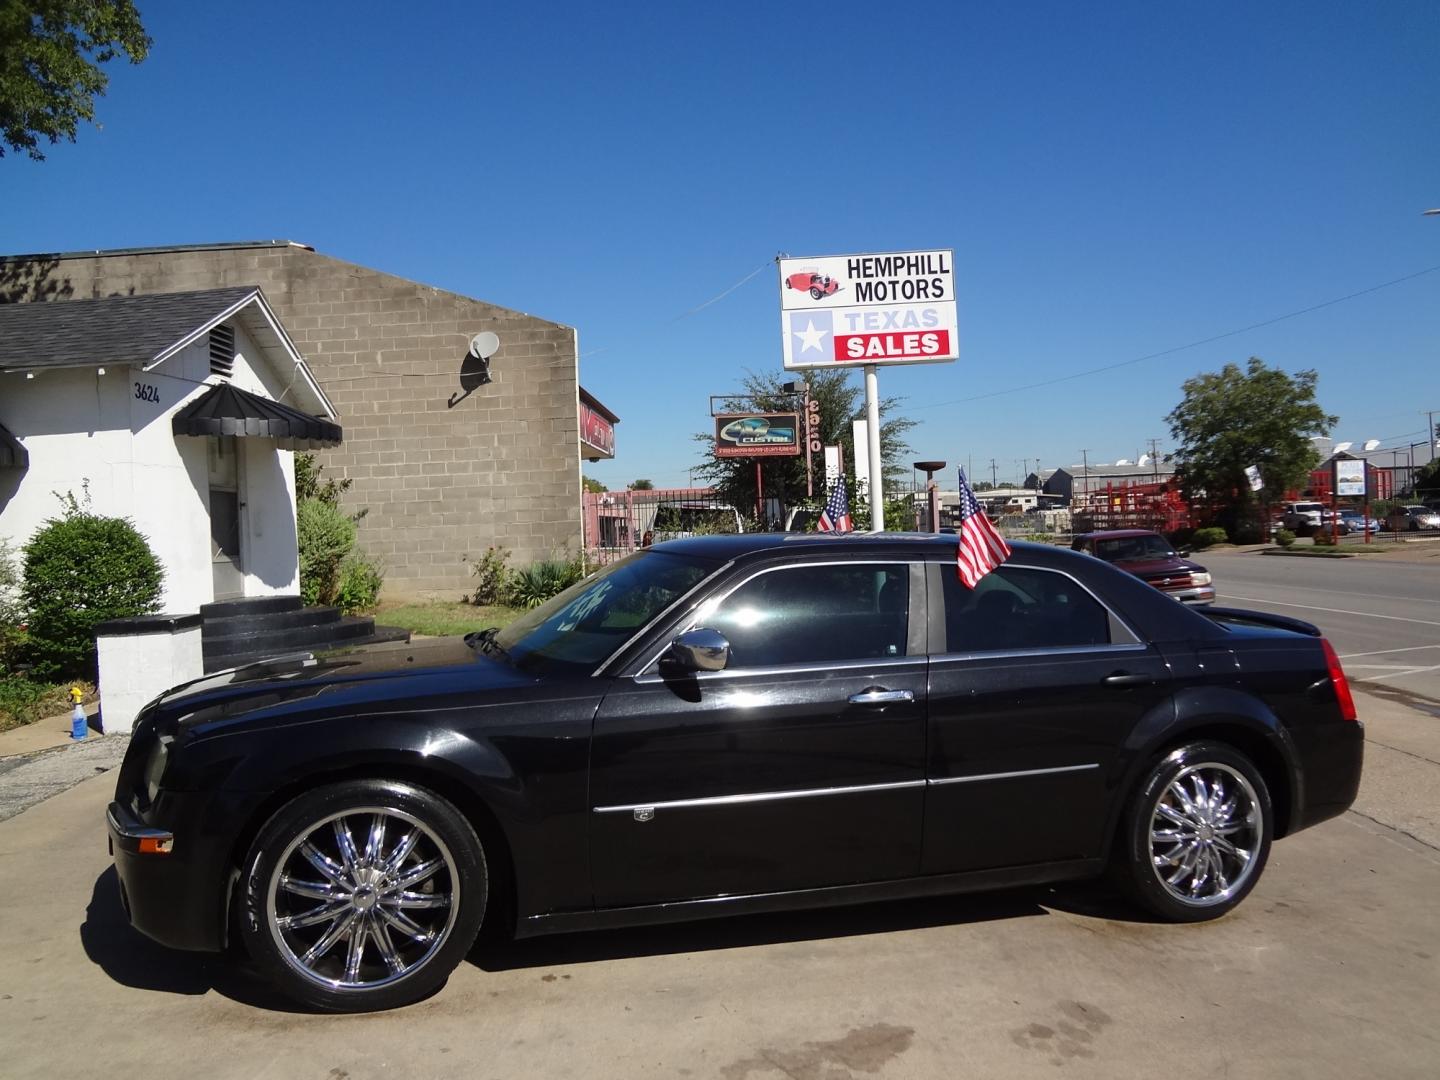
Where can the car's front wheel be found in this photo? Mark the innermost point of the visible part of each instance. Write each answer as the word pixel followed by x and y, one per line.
pixel 363 895
pixel 1197 833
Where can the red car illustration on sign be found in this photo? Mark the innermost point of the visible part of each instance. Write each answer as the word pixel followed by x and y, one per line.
pixel 818 285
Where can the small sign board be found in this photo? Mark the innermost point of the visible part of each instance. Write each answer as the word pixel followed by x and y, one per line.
pixel 1349 476
pixel 741 435
pixel 852 310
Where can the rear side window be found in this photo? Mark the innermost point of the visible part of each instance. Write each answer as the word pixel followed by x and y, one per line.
pixel 1014 608
pixel 816 614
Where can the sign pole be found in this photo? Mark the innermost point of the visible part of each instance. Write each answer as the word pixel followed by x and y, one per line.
pixel 877 472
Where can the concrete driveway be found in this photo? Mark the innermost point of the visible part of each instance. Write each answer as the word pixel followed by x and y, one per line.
pixel 1330 969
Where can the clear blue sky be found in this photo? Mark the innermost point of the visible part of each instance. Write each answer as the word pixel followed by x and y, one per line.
pixel 1116 179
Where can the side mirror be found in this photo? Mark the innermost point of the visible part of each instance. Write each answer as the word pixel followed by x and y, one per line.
pixel 700 650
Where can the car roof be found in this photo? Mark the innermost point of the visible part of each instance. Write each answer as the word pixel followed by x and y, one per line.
pixel 1107 534
pixel 728 546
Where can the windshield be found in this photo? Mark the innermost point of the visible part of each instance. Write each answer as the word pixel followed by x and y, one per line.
pixel 573 632
pixel 1124 548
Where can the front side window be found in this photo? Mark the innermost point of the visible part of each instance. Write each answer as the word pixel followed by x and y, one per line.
pixel 815 614
pixel 1014 608
pixel 1126 548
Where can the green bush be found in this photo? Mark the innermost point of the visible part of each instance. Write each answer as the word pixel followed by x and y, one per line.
pixel 81 569
pixel 360 581
pixel 1284 537
pixel 12 611
pixel 1205 538
pixel 1324 538
pixel 492 577
pixel 538 582
pixel 326 537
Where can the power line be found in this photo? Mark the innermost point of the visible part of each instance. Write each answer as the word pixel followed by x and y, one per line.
pixel 1191 345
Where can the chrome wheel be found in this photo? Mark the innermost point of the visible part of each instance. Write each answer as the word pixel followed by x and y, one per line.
pixel 362 898
pixel 1206 830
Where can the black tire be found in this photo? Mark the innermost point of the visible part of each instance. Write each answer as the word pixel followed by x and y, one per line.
pixel 1169 803
pixel 413 888
pixel 816 294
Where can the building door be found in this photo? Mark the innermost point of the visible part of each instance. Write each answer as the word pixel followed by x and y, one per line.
pixel 225 555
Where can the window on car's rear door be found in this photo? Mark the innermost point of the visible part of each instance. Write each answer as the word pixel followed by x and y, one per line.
pixel 1034 684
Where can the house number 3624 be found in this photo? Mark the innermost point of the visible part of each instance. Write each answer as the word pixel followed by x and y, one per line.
pixel 146 392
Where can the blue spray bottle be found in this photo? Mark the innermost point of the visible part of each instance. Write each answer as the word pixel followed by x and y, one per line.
pixel 79 725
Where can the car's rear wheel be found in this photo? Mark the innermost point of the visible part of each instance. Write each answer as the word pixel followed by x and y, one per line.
pixel 1197 833
pixel 816 294
pixel 363 895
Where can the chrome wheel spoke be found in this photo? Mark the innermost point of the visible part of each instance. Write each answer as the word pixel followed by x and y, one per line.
pixel 328 940
pixel 347 846
pixel 355 954
pixel 316 915
pixel 315 890
pixel 415 875
pixel 328 867
pixel 381 935
pixel 404 923
pixel 402 852
pixel 375 842
pixel 417 900
pixel 1169 813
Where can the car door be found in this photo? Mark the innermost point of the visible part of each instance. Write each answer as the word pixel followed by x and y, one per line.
pixel 801 765
pixel 1034 684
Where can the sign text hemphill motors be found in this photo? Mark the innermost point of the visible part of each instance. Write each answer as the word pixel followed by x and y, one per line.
pixel 869 309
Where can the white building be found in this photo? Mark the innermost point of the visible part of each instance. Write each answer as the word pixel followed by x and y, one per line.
pixel 180 411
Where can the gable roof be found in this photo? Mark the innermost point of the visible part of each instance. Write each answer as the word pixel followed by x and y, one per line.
pixel 110 330
pixel 143 331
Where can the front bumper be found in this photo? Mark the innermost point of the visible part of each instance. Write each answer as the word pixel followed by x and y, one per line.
pixel 174 885
pixel 1195 594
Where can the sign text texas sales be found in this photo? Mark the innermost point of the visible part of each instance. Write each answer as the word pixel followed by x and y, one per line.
pixel 891 308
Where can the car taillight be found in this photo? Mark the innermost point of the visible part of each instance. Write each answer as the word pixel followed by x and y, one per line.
pixel 1339 682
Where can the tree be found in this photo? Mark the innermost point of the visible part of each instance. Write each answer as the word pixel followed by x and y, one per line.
pixel 1233 419
pixel 642 485
pixel 841 400
pixel 1427 480
pixel 592 485
pixel 50 57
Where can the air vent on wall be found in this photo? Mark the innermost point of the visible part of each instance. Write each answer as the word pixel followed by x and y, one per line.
pixel 222 351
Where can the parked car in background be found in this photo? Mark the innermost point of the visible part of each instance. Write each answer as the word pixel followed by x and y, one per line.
pixel 1355 521
pixel 1412 519
pixel 1151 558
pixel 725 725
pixel 1303 518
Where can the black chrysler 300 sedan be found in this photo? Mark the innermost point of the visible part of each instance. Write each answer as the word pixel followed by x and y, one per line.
pixel 723 725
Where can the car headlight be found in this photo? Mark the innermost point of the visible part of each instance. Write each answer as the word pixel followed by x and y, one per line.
pixel 155 768
pixel 1200 579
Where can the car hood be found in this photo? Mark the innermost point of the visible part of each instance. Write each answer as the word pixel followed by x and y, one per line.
pixel 1154 569
pixel 365 672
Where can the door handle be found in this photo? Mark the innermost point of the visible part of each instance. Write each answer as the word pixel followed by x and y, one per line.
pixel 878 696
pixel 1124 678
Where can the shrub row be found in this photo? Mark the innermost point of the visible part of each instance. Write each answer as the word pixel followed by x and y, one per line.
pixel 528 587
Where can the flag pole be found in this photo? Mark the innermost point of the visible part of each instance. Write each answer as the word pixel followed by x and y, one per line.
pixel 877 470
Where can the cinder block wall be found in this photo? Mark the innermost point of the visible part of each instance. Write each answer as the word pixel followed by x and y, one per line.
pixel 444 473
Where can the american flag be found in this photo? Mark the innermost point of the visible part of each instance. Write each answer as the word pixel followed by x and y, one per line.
pixel 981 548
pixel 836 515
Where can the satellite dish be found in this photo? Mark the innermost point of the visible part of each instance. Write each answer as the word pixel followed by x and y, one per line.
pixel 483 345
pixel 1144 460
pixel 1340 448
pixel 1372 444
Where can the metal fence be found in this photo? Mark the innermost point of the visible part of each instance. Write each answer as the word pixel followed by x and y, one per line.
pixel 618 522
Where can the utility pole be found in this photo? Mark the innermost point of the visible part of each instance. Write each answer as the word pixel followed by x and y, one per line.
pixel 1154 458
pixel 1085 457
pixel 993 483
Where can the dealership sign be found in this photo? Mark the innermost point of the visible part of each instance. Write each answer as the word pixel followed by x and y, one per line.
pixel 1349 476
pixel 757 435
pixel 596 431
pixel 893 308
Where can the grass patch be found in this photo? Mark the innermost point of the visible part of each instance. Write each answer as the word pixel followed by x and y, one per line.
pixel 440 618
pixel 1329 552
pixel 23 701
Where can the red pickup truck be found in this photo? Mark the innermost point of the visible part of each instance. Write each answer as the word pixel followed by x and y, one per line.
pixel 1151 558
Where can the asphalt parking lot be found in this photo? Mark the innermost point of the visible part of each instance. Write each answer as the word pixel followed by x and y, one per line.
pixel 1329 969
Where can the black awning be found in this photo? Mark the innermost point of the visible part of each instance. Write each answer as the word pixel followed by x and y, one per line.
pixel 12 454
pixel 228 410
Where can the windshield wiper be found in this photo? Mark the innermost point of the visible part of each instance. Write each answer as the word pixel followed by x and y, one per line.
pixel 484 640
